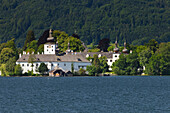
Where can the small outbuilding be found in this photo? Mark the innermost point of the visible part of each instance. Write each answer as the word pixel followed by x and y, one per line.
pixel 56 73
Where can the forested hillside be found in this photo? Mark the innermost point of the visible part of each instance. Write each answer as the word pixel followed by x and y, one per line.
pixel 137 21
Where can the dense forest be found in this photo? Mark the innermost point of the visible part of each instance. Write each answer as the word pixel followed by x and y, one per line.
pixel 136 21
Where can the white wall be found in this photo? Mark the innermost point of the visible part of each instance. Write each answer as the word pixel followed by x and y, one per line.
pixel 49 48
pixel 66 66
pixel 113 59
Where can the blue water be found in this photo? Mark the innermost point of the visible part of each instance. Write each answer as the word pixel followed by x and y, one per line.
pixel 120 94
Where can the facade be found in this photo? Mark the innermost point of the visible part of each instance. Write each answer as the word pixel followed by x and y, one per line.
pixel 111 56
pixel 52 59
pixel 56 61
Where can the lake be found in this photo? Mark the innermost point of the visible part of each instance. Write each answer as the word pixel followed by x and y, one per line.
pixel 118 94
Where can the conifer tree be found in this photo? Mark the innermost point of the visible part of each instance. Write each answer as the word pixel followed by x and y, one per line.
pixel 30 37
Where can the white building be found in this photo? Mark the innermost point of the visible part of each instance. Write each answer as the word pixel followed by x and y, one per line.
pixel 52 60
pixel 111 56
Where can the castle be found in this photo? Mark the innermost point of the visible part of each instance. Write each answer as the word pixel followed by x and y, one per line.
pixel 63 62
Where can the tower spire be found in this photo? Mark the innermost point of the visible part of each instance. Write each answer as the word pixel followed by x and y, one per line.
pixel 50 38
pixel 116 49
pixel 125 50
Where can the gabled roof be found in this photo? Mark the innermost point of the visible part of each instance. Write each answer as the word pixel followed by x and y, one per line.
pixel 107 54
pixel 54 58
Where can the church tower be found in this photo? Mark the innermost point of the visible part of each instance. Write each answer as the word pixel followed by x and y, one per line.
pixel 116 49
pixel 50 46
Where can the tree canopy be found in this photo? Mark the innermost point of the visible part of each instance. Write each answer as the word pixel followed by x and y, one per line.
pixel 138 21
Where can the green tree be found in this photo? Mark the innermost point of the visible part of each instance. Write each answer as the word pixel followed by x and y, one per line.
pixel 103 64
pixel 63 39
pixel 6 54
pixel 29 38
pixel 72 67
pixel 144 56
pixel 152 45
pixel 40 48
pixel 42 68
pixel 99 65
pixel 133 64
pixel 10 66
pixel 18 70
pixel 92 70
pixel 82 71
pixel 119 67
pixel 32 46
pixel 159 63
pixel 32 59
pixel 3 70
pixel 156 65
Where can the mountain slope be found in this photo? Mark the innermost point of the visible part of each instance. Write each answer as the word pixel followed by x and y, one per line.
pixel 137 21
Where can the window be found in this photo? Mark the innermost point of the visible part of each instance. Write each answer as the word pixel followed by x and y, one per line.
pixel 28 65
pixel 52 46
pixel 22 65
pixel 52 49
pixel 106 60
pixel 51 64
pixel 47 46
pixel 58 64
pixel 115 55
pixel 79 59
pixel 64 64
pixel 110 60
pixel 47 49
pixel 79 67
pixel 58 59
pixel 37 65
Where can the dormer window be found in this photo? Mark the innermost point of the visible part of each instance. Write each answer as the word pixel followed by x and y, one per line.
pixel 79 59
pixel 58 59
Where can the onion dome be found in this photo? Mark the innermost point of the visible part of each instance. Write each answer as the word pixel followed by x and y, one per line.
pixel 116 49
pixel 125 50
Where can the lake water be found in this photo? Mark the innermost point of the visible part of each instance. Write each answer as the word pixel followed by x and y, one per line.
pixel 119 94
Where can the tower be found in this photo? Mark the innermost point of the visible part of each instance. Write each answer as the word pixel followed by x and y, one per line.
pixel 50 46
pixel 116 49
pixel 125 50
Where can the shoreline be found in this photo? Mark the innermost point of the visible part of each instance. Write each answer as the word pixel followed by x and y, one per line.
pixel 91 76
